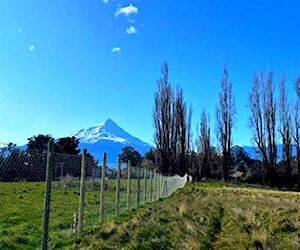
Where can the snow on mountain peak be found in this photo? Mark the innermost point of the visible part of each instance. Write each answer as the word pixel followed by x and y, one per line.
pixel 106 130
pixel 108 122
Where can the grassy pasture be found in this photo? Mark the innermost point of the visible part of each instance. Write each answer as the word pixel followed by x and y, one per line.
pixel 199 216
pixel 22 204
pixel 203 216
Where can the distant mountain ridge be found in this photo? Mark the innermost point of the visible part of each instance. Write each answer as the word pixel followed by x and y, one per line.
pixel 107 130
pixel 108 137
pixel 253 152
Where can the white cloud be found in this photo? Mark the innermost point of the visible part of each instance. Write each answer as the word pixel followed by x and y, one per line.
pixel 115 49
pixel 31 47
pixel 131 30
pixel 126 11
pixel 105 1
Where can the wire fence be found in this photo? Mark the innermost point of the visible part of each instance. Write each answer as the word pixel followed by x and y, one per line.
pixel 45 197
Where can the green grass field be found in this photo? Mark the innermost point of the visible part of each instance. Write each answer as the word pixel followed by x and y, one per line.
pixel 22 206
pixel 204 216
pixel 199 216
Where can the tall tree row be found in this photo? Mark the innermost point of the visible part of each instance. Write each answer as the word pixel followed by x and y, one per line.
pixel 204 145
pixel 225 112
pixel 262 106
pixel 285 128
pixel 296 125
pixel 272 121
pixel 172 126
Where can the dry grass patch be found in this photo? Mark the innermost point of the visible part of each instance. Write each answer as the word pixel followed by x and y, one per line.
pixel 205 216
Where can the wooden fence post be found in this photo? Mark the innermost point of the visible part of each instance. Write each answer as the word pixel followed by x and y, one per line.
pixel 138 187
pixel 82 191
pixel 49 166
pixel 151 185
pixel 128 183
pixel 102 192
pixel 155 186
pixel 93 176
pixel 118 187
pixel 165 187
pixel 160 185
pixel 145 185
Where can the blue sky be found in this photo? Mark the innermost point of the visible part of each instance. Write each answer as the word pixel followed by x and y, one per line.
pixel 67 65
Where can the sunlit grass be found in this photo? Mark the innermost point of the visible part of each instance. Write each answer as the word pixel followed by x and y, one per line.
pixel 199 216
pixel 204 216
pixel 22 207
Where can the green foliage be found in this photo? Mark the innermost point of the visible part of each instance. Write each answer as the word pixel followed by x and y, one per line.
pixel 38 143
pixel 67 145
pixel 94 160
pixel 242 167
pixel 150 155
pixel 129 153
pixel 238 154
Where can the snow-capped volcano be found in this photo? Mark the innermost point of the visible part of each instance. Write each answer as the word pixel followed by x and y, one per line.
pixel 108 137
pixel 107 130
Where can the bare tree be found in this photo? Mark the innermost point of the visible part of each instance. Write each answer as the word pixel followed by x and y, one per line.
pixel 262 106
pixel 204 145
pixel 256 119
pixel 172 126
pixel 189 130
pixel 189 145
pixel 297 86
pixel 296 126
pixel 162 118
pixel 270 124
pixel 225 112
pixel 180 121
pixel 285 129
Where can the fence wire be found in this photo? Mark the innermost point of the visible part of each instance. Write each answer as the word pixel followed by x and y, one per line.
pixel 22 195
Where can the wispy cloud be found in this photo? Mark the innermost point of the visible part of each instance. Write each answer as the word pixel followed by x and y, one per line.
pixel 105 1
pixel 31 47
pixel 131 30
pixel 115 49
pixel 126 11
pixel 20 30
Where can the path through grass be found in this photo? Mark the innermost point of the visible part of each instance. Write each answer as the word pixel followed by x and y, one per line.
pixel 199 216
pixel 204 216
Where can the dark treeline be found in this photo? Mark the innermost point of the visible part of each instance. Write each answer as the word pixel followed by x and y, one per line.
pixel 273 119
pixel 172 126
